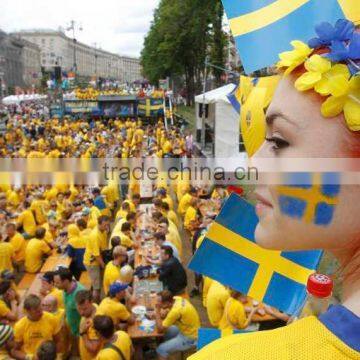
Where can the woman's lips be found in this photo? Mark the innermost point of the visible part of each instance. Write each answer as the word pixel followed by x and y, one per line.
pixel 262 204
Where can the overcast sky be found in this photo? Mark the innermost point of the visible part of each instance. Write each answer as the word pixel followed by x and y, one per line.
pixel 115 25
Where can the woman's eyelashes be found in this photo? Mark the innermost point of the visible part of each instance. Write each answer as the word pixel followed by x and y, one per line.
pixel 278 143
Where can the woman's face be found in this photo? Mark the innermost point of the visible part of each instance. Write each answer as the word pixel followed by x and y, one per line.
pixel 296 129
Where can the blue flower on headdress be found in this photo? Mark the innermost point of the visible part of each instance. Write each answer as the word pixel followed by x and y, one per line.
pixel 342 31
pixel 340 51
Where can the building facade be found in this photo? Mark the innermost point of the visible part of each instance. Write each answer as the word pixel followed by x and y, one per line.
pixel 11 64
pixel 31 58
pixel 71 55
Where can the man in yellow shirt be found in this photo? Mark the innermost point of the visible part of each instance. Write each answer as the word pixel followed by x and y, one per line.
pixel 215 302
pixel 8 296
pixel 26 221
pixel 19 244
pixel 163 195
pixel 7 255
pixel 48 288
pixel 170 214
pixel 50 304
pixel 36 249
pixel 172 234
pixel 184 202
pixel 178 319
pixel 38 207
pixel 116 345
pixel 234 316
pixel 123 211
pixel 96 242
pixel 125 236
pixel 191 214
pixel 33 329
pixel 90 343
pixel 112 306
pixel 112 269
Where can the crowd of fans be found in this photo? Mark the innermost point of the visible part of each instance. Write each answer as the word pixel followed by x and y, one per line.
pixel 85 309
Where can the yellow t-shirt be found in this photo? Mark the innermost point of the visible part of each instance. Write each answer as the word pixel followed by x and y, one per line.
pixel 183 315
pixel 32 333
pixel 190 215
pixel 19 244
pixel 6 255
pixel 215 302
pixel 184 204
pixel 58 294
pixel 123 342
pixel 117 227
pixel 4 309
pixel 39 209
pixel 306 339
pixel 117 311
pixel 101 237
pixel 27 220
pixel 206 286
pixel 121 214
pixel 234 316
pixel 92 249
pixel 111 274
pixel 171 215
pixel 126 240
pixel 33 255
pixel 92 335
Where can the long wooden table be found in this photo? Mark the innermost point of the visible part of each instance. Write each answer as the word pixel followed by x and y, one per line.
pixel 139 336
pixel 55 260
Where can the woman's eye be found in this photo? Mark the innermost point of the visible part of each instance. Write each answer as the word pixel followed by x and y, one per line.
pixel 278 143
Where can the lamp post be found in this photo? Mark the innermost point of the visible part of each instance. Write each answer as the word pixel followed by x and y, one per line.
pixel 203 128
pixel 73 27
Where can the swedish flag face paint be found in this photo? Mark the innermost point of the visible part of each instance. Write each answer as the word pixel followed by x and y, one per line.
pixel 311 198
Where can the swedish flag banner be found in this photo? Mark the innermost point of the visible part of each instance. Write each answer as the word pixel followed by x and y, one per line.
pixel 264 28
pixel 151 107
pixel 207 336
pixel 230 255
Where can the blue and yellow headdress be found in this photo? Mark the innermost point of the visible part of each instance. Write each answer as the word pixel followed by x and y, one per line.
pixel 332 69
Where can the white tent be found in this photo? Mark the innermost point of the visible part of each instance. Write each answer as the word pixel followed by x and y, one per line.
pixel 17 99
pixel 222 119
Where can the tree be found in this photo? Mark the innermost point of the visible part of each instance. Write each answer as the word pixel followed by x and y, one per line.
pixel 182 34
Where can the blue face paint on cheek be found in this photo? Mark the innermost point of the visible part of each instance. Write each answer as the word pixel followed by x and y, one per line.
pixel 307 200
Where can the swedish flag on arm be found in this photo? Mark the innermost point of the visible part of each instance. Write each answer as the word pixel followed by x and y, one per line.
pixel 264 28
pixel 230 255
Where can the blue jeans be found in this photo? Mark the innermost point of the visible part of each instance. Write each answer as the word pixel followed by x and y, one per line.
pixel 175 341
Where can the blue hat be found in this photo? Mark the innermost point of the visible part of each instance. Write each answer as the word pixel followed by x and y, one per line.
pixel 116 287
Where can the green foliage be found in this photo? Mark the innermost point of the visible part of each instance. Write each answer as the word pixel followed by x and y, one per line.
pixel 182 34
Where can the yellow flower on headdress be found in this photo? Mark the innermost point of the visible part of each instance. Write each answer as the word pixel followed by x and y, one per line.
pixel 345 96
pixel 316 67
pixel 292 59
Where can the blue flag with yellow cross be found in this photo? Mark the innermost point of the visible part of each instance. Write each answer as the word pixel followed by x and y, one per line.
pixel 151 107
pixel 230 255
pixel 264 28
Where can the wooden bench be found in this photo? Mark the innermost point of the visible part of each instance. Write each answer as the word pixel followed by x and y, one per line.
pixel 26 281
pixel 85 279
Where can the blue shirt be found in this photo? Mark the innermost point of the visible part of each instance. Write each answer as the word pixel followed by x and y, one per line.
pixel 343 324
